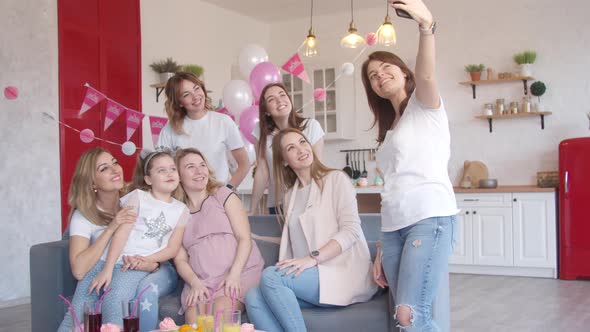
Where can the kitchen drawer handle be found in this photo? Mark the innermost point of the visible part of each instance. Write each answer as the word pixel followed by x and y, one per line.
pixel 471 200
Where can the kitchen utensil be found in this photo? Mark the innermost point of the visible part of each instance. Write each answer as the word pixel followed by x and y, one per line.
pixel 356 173
pixel 364 173
pixel 488 183
pixel 475 170
pixel 347 168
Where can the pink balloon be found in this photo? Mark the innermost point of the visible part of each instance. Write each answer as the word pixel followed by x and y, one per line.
pixel 224 110
pixel 11 92
pixel 371 38
pixel 319 94
pixel 248 121
pixel 262 75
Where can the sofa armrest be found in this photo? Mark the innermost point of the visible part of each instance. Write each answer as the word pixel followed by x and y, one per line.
pixel 51 275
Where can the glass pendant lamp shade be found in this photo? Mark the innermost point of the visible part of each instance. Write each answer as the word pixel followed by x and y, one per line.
pixel 386 33
pixel 310 45
pixel 353 39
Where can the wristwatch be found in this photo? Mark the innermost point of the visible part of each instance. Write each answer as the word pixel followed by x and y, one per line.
pixel 230 186
pixel 430 30
pixel 315 255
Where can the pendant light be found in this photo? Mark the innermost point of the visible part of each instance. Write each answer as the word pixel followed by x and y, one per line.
pixel 352 40
pixel 386 33
pixel 310 41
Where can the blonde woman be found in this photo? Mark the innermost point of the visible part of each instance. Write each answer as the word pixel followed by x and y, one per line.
pixel 324 259
pixel 218 259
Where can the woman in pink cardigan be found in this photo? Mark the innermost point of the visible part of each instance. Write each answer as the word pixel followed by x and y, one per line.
pixel 324 259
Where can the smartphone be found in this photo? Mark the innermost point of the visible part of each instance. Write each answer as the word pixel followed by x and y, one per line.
pixel 401 12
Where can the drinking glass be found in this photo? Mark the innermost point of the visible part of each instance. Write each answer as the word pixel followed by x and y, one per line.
pixel 130 315
pixel 205 318
pixel 92 316
pixel 231 321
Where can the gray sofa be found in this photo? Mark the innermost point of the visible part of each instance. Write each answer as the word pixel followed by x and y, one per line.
pixel 51 275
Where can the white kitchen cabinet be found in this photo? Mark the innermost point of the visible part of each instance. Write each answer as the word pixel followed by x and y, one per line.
pixel 534 229
pixel 505 234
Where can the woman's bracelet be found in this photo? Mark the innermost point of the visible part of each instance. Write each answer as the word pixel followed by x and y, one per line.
pixel 157 267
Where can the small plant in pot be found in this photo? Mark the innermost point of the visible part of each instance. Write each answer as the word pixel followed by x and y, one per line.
pixel 538 89
pixel 166 68
pixel 524 60
pixel 195 69
pixel 475 71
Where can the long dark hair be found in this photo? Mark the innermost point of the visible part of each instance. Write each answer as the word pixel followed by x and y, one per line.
pixel 382 108
pixel 268 125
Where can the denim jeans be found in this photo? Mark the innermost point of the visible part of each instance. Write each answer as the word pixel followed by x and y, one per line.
pixel 275 305
pixel 162 282
pixel 414 260
pixel 125 285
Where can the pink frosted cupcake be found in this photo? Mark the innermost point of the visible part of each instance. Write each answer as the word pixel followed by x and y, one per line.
pixel 168 325
pixel 110 327
pixel 246 327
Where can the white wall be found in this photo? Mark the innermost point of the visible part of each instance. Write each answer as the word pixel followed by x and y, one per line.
pixel 29 167
pixel 488 32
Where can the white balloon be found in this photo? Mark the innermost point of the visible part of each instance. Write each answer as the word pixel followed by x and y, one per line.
pixel 237 96
pixel 250 150
pixel 128 148
pixel 250 56
pixel 347 68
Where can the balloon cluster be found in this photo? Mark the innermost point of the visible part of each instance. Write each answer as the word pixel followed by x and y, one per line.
pixel 241 98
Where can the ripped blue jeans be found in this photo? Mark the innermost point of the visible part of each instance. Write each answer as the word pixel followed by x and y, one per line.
pixel 414 259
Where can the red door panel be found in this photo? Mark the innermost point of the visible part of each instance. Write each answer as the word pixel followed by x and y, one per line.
pixel 99 43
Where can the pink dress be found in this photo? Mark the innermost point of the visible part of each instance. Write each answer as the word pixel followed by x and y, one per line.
pixel 211 246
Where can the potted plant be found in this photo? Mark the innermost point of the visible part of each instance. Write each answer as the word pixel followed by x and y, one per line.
pixel 195 69
pixel 538 89
pixel 475 71
pixel 525 60
pixel 166 68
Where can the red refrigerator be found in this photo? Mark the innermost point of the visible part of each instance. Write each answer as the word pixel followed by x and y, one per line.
pixel 574 208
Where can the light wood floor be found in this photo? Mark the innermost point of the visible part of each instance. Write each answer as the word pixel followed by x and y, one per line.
pixel 478 304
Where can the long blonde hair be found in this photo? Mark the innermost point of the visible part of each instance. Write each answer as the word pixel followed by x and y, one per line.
pixel 212 184
pixel 176 113
pixel 81 196
pixel 284 176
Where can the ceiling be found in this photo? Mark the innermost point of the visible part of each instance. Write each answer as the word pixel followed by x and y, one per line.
pixel 279 10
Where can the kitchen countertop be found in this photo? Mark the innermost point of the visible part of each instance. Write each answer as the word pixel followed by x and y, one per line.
pixel 499 189
pixel 504 189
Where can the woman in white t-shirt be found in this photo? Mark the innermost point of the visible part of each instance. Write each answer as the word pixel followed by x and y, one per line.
pixel 418 204
pixel 192 123
pixel 96 215
pixel 276 113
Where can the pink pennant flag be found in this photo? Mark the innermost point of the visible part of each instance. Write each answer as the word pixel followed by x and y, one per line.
pixel 295 66
pixel 133 121
pixel 113 111
pixel 92 98
pixel 156 124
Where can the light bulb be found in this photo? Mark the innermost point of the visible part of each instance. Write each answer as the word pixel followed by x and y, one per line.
pixel 310 45
pixel 352 40
pixel 386 34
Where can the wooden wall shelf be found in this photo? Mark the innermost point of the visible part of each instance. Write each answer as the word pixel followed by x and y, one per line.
pixel 517 115
pixel 524 80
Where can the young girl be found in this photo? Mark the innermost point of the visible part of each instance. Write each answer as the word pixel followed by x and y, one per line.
pixel 276 113
pixel 217 251
pixel 155 237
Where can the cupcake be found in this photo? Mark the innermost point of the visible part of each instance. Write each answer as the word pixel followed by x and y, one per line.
pixel 246 327
pixel 363 182
pixel 167 324
pixel 110 327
